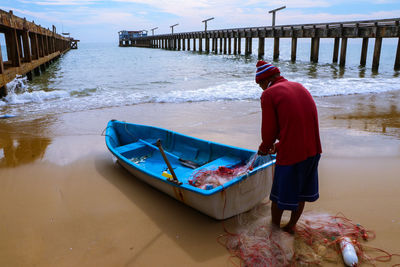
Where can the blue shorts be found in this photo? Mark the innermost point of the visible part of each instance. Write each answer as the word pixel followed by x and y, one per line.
pixel 295 183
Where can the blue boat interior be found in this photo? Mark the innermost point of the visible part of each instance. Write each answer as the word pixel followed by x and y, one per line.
pixel 137 144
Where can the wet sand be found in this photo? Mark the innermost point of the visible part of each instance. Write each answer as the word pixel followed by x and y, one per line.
pixel 64 202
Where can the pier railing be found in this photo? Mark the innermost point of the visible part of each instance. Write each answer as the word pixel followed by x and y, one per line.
pixel 29 47
pixel 221 40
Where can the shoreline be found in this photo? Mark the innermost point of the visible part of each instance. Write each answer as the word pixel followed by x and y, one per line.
pixel 64 202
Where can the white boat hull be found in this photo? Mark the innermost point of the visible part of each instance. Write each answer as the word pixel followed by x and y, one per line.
pixel 233 200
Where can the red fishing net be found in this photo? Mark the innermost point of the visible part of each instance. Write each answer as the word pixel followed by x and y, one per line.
pixel 215 176
pixel 255 242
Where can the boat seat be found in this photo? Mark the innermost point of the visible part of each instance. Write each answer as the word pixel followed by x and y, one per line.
pixel 185 151
pixel 151 141
pixel 134 146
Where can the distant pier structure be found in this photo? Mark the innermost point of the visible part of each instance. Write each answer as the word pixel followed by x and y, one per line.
pixel 228 41
pixel 125 37
pixel 30 48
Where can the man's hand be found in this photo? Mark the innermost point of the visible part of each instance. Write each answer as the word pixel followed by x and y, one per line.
pixel 262 153
pixel 272 150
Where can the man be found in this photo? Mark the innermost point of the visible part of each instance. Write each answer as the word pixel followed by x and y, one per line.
pixel 289 116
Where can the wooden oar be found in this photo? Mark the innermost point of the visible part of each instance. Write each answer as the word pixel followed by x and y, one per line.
pixel 175 179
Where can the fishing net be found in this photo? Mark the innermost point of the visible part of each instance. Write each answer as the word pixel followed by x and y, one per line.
pixel 253 241
pixel 215 176
pixel 319 237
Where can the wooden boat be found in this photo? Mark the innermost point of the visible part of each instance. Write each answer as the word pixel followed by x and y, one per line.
pixel 136 148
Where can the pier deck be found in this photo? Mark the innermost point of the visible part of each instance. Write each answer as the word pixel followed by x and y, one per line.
pixel 29 47
pixel 339 31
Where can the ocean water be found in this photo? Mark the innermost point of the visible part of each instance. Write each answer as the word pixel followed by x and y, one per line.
pixel 105 75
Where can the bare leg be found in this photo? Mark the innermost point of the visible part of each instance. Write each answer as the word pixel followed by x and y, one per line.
pixel 294 217
pixel 276 214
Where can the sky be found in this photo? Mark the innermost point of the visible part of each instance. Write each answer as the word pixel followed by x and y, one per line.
pixel 100 21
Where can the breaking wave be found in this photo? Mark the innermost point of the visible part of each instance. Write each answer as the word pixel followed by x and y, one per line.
pixel 18 92
pixel 119 77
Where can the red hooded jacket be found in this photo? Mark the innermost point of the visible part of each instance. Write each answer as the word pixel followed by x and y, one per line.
pixel 289 114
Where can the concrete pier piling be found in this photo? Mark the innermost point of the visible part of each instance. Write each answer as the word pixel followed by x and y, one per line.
pixel 397 60
pixel 377 53
pixel 293 54
pixel 343 51
pixel 29 47
pixel 340 32
pixel 261 47
pixel 364 50
pixel 276 48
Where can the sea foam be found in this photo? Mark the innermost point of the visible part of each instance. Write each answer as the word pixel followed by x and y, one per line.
pixel 18 93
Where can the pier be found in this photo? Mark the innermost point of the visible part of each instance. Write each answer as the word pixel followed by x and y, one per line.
pixel 30 48
pixel 228 41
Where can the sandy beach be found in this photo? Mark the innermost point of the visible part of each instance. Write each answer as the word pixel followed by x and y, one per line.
pixel 64 202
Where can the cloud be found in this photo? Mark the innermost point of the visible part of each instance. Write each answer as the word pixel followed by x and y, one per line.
pixel 94 15
pixel 300 17
pixel 385 1
pixel 81 16
pixel 301 4
pixel 33 15
pixel 206 8
pixel 59 2
pixel 236 13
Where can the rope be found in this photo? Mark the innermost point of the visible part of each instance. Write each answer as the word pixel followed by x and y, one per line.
pixel 111 137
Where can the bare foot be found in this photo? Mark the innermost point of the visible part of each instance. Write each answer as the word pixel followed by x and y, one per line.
pixel 289 229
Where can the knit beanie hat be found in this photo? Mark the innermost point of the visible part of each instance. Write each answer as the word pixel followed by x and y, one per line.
pixel 265 70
